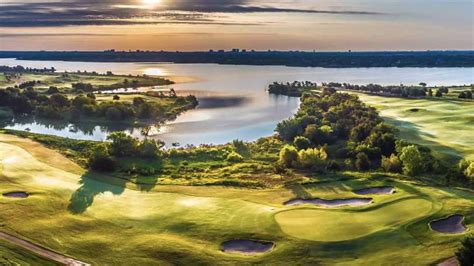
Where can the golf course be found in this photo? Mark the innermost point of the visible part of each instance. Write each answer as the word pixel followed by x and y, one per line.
pixel 444 125
pixel 188 224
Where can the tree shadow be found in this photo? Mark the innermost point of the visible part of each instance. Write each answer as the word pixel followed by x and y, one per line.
pixel 90 187
pixel 414 134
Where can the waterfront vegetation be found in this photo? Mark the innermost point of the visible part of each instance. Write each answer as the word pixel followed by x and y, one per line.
pixel 84 102
pixel 179 204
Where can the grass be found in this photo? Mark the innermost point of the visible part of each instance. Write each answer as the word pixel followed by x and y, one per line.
pixel 76 213
pixel 444 125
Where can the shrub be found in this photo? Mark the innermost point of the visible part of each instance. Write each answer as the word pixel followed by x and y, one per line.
pixel 392 164
pixel 301 143
pixel 288 156
pixel 362 162
pixel 234 157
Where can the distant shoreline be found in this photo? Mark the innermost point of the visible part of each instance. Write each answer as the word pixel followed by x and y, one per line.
pixel 400 59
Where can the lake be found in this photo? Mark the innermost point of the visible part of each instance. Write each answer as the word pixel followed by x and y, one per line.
pixel 234 101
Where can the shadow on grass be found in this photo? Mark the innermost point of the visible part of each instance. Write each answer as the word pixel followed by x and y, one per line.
pixel 90 187
pixel 416 135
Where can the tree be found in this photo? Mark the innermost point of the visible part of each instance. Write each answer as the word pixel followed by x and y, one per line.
pixel 391 164
pixel 150 148
pixel 288 155
pixel 430 92
pixel 100 159
pixel 122 145
pixel 59 100
pixel 465 254
pixel 423 84
pixel 439 93
pixel 301 143
pixel 362 162
pixel 113 113
pixel 412 160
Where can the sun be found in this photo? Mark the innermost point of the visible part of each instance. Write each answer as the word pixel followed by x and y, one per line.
pixel 151 3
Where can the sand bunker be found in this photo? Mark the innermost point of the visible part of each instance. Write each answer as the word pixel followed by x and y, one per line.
pixel 16 194
pixel 450 225
pixel 331 203
pixel 375 191
pixel 246 246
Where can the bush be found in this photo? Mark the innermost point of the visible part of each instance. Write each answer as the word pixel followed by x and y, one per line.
pixel 362 162
pixel 301 143
pixel 288 156
pixel 234 157
pixel 412 160
pixel 391 164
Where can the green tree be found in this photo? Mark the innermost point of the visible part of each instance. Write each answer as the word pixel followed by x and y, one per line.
pixel 301 143
pixel 391 164
pixel 122 145
pixel 100 159
pixel 150 148
pixel 412 160
pixel 113 113
pixel 362 162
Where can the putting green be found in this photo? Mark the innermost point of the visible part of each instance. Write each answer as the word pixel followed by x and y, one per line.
pixel 328 225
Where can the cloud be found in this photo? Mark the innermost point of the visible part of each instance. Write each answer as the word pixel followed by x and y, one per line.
pixel 128 12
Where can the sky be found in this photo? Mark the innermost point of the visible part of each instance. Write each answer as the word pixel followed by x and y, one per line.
pixel 196 25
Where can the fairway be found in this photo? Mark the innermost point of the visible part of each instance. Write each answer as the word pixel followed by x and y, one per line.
pixel 445 125
pixel 324 225
pixel 89 220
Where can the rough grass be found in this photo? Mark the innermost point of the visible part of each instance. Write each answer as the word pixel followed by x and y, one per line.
pixel 115 223
pixel 444 125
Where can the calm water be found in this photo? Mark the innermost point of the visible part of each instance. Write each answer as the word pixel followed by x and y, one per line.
pixel 252 112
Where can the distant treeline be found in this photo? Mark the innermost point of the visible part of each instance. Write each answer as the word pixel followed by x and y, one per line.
pixel 297 88
pixel 21 69
pixel 286 58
